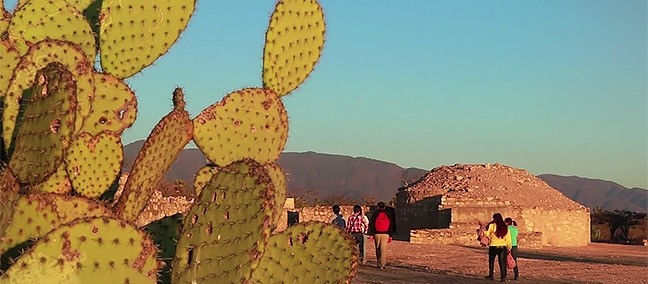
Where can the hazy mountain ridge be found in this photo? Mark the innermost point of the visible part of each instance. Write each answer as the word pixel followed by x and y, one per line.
pixel 356 177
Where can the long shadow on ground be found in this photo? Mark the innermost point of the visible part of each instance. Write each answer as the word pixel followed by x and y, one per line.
pixel 626 260
pixel 401 273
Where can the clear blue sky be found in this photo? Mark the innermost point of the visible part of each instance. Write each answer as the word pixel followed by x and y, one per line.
pixel 549 86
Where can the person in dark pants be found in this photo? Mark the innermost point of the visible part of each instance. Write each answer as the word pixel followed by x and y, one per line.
pixel 357 225
pixel 499 245
pixel 512 227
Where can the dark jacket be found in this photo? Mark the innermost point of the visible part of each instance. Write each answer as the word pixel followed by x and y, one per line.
pixel 372 223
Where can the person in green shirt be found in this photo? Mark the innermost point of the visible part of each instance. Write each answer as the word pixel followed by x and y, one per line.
pixel 512 227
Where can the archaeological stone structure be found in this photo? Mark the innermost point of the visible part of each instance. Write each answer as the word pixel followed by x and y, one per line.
pixel 445 206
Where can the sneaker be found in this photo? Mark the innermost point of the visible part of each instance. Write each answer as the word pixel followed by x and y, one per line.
pixel 503 279
pixel 489 277
pixel 382 268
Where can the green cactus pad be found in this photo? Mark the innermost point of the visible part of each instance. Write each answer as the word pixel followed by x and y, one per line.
pixel 9 196
pixel 249 123
pixel 135 33
pixel 165 233
pixel 9 58
pixel 114 107
pixel 37 20
pixel 279 181
pixel 202 178
pixel 160 150
pixel 37 214
pixel 293 44
pixel 227 227
pixel 58 182
pixel 93 250
pixel 311 252
pixel 94 162
pixel 47 125
pixel 39 56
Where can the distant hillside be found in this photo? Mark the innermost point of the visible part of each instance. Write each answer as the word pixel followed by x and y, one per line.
pixel 336 175
pixel 599 193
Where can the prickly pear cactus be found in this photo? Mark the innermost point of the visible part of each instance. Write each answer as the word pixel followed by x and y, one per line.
pixel 61 124
pixel 311 246
pixel 48 119
pixel 94 162
pixel 34 215
pixel 122 43
pixel 250 123
pixel 88 250
pixel 33 22
pixel 294 42
pixel 226 229
pixel 161 148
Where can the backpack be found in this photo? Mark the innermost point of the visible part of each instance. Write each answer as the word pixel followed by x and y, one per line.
pixel 339 221
pixel 382 222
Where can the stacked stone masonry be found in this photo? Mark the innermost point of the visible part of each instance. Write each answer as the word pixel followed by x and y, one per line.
pixel 446 206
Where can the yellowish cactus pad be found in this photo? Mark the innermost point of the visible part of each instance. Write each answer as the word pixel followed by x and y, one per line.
pixel 9 58
pixel 135 33
pixel 94 162
pixel 91 250
pixel 114 107
pixel 38 56
pixel 37 20
pixel 58 182
pixel 293 44
pixel 249 123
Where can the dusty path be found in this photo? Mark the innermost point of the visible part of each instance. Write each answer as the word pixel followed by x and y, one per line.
pixel 596 263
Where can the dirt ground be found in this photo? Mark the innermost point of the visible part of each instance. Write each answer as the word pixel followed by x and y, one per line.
pixel 596 263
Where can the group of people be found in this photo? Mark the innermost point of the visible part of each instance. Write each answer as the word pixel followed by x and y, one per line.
pixel 379 227
pixel 500 235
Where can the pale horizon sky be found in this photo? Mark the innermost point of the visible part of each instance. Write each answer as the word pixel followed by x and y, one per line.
pixel 549 86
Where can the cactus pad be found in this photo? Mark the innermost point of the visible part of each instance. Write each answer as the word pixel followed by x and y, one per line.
pixel 202 178
pixel 9 196
pixel 58 182
pixel 9 58
pixel 160 150
pixel 34 21
pixel 312 252
pixel 37 214
pixel 39 56
pixel 293 45
pixel 279 181
pixel 227 227
pixel 47 125
pixel 135 33
pixel 249 123
pixel 92 250
pixel 5 17
pixel 94 162
pixel 114 107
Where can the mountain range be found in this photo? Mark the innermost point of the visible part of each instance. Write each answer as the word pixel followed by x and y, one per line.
pixel 327 176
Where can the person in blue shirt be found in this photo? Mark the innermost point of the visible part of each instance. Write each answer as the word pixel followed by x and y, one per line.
pixel 512 227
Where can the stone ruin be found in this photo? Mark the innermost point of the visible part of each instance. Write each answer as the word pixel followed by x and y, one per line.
pixel 445 206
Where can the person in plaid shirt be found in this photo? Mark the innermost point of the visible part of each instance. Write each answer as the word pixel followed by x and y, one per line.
pixel 358 226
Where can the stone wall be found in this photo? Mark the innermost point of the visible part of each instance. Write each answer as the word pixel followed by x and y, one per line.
pixel 317 213
pixel 447 219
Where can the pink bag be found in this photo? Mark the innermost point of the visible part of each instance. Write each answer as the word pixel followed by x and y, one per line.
pixel 510 261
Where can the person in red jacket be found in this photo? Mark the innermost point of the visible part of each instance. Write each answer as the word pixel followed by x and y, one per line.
pixel 381 228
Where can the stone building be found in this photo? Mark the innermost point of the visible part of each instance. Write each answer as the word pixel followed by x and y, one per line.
pixel 446 205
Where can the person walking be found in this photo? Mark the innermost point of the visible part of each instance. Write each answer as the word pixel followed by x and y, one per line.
pixel 337 218
pixel 358 225
pixel 512 227
pixel 498 246
pixel 381 229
